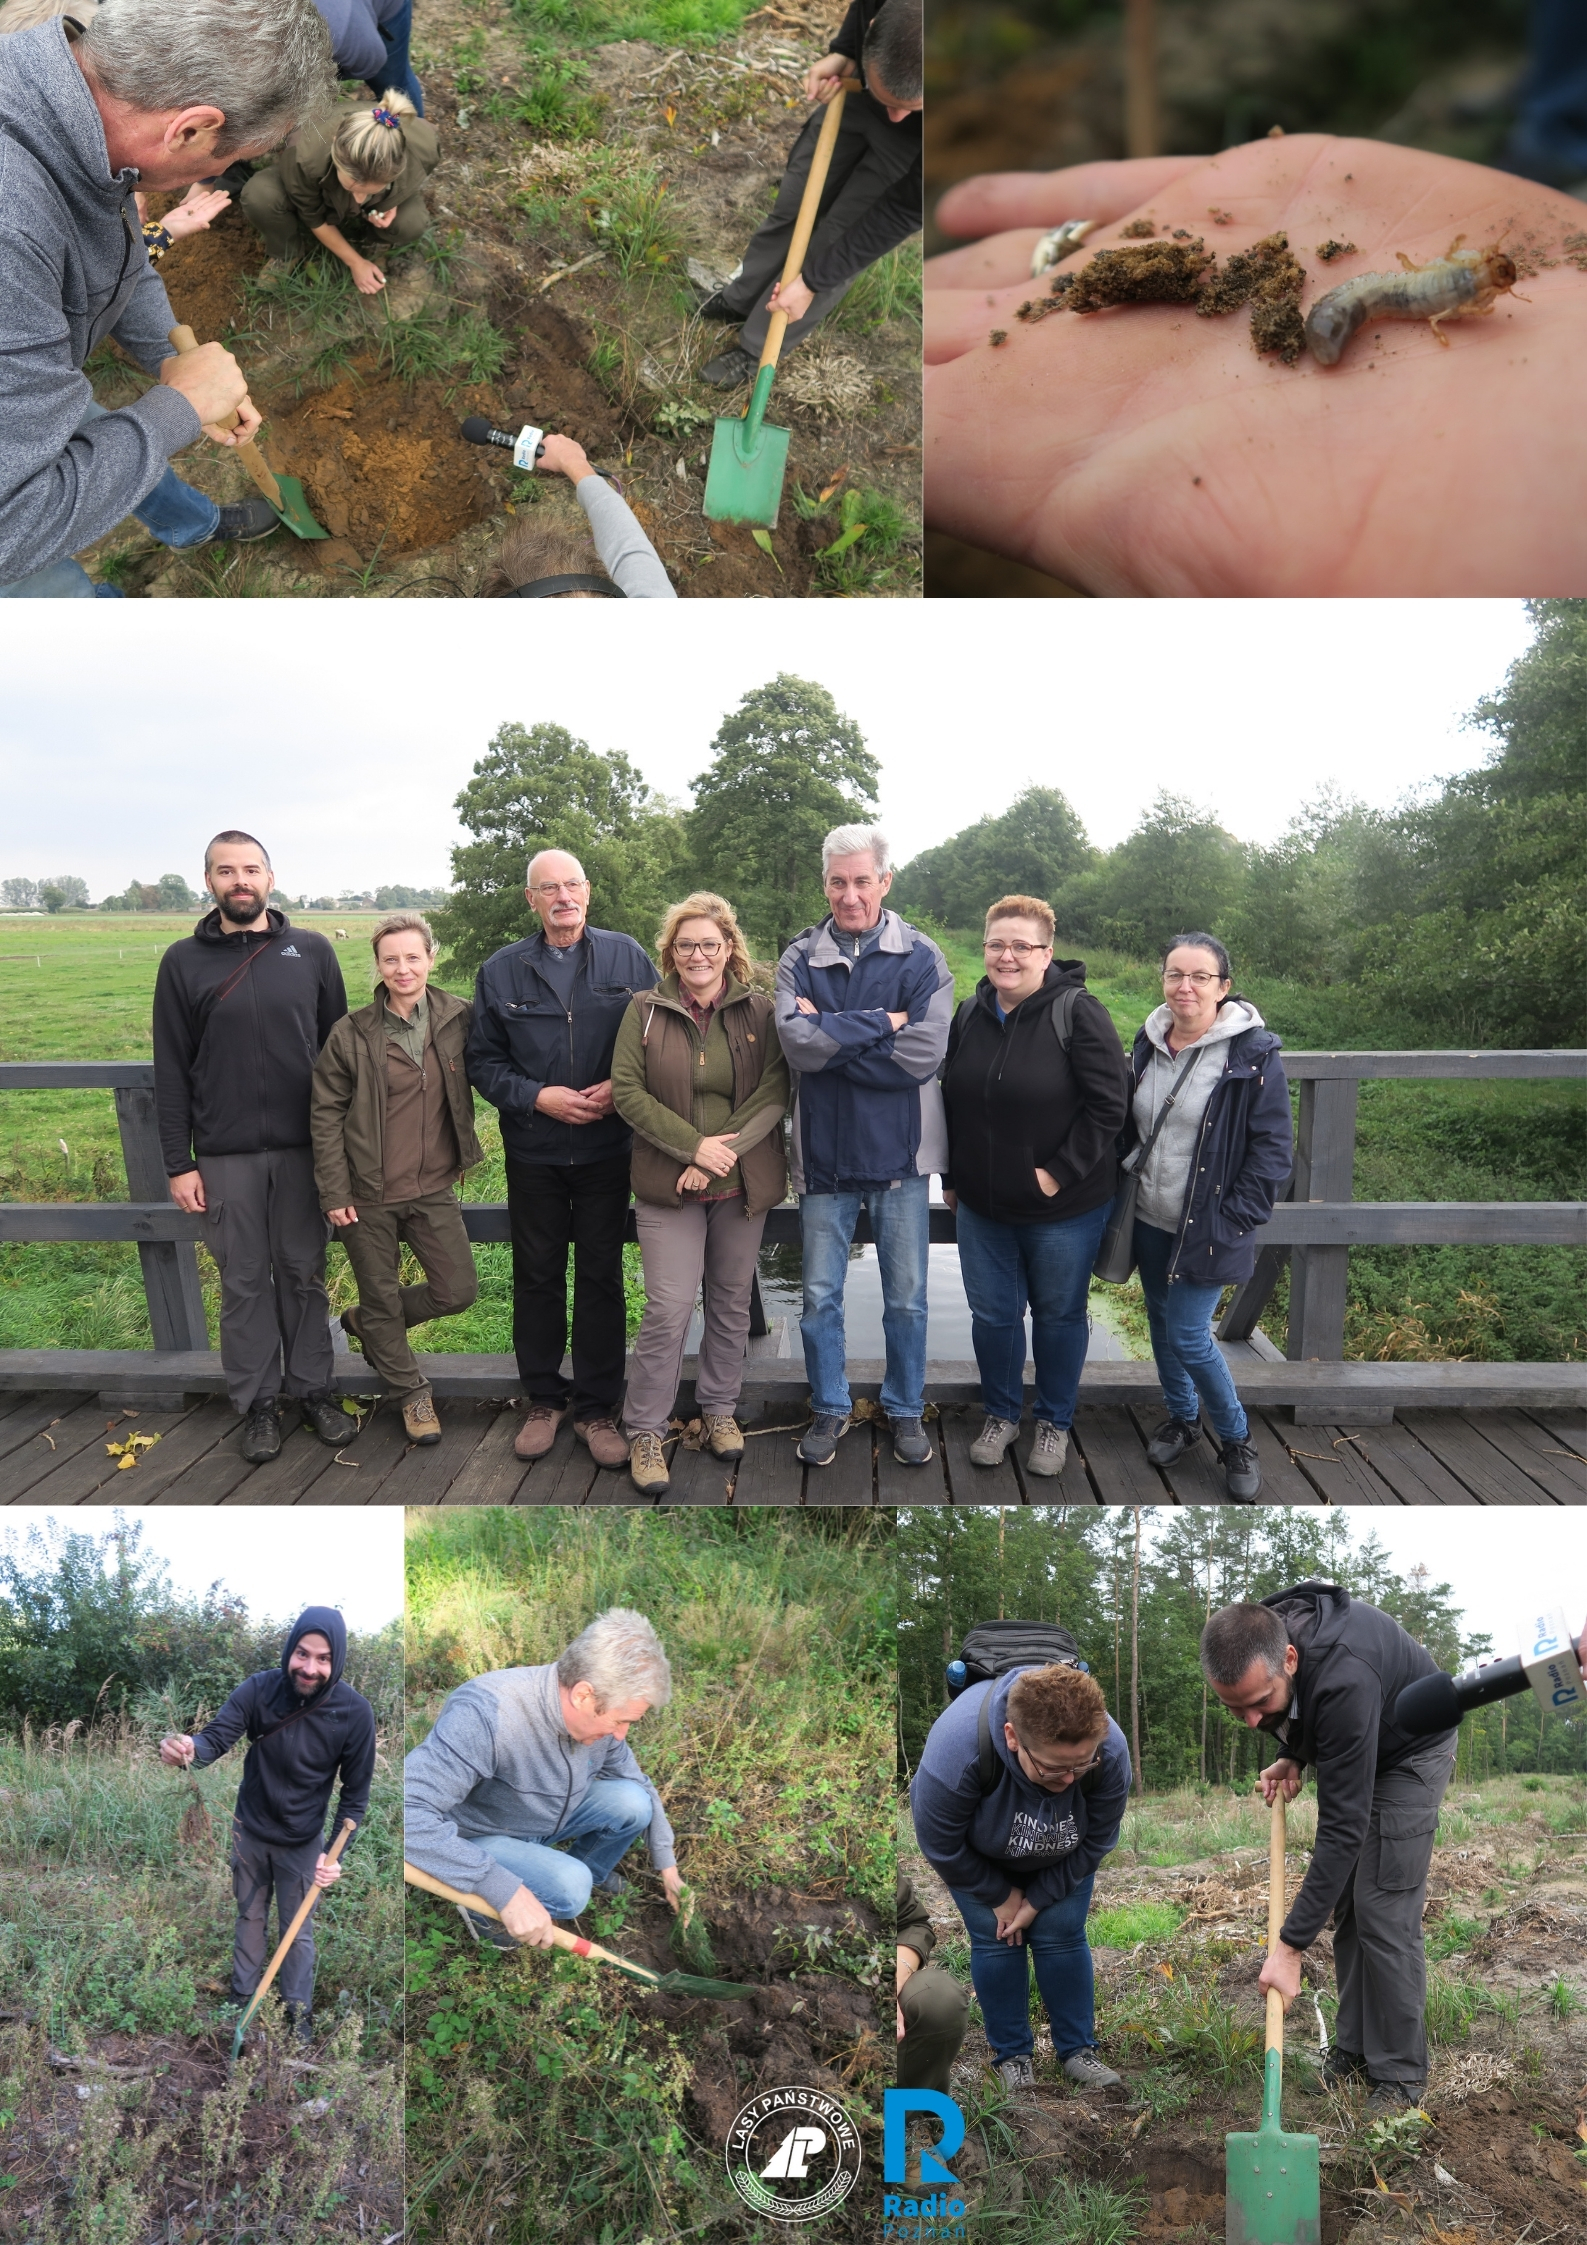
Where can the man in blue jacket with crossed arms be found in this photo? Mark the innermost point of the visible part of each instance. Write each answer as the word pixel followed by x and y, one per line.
pixel 864 1005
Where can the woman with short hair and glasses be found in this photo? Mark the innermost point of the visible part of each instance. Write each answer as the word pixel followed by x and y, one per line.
pixel 1207 1186
pixel 699 1074
pixel 1035 1090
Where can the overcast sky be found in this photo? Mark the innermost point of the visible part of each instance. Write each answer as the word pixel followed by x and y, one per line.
pixel 123 752
pixel 348 1556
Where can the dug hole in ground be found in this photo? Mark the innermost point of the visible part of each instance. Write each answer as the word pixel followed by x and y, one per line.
pixel 581 178
pixel 1178 1931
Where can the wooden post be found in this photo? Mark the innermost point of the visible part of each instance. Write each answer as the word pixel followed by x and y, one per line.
pixel 1324 1170
pixel 170 1267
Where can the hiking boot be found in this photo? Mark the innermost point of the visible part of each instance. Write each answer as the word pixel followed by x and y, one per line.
pixel 1014 2073
pixel 911 1442
pixel 277 269
pixel 1391 2097
pixel 1049 1450
pixel 539 1430
pixel 330 1422
pixel 992 1441
pixel 724 1437
pixel 647 1462
pixel 712 307
pixel 819 1443
pixel 1241 1470
pixel 488 1930
pixel 420 1421
pixel 351 1327
pixel 1086 2070
pixel 261 1434
pixel 602 1440
pixel 611 1886
pixel 1341 2068
pixel 240 525
pixel 728 370
pixel 1172 1439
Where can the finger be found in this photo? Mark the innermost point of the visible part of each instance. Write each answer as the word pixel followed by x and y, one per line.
pixel 995 200
pixel 960 320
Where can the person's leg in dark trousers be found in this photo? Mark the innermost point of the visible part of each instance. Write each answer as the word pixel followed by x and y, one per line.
pixel 264 1227
pixel 936 2011
pixel 540 1220
pixel 552 1206
pixel 259 1870
pixel 397 77
pixel 433 1229
pixel 299 1235
pixel 599 1199
pixel 1380 1961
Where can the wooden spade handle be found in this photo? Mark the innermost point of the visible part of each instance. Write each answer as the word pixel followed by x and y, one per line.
pixel 574 1943
pixel 1275 1916
pixel 804 224
pixel 303 1909
pixel 183 339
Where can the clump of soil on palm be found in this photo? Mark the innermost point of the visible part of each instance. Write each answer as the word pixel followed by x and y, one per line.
pixel 1269 278
pixel 1156 273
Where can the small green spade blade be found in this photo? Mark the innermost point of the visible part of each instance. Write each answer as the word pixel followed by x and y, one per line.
pixel 748 462
pixel 294 510
pixel 1273 2192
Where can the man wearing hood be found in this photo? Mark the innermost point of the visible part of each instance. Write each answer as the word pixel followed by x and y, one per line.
pixel 152 95
pixel 305 1728
pixel 1320 1672
pixel 241 1009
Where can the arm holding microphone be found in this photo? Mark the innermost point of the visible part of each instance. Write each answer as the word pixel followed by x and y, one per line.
pixel 625 553
pixel 1549 1665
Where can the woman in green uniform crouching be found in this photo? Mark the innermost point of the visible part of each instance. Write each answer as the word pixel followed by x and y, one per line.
pixel 360 173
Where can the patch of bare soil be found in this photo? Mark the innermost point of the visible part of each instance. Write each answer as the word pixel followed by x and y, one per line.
pixel 382 466
pixel 202 272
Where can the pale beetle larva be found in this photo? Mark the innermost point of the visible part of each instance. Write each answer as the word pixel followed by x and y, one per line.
pixel 1459 285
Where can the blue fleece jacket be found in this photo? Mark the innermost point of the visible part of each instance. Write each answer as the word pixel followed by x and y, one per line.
pixel 1019 1834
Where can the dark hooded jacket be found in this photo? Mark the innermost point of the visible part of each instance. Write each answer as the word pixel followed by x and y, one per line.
pixel 297 1747
pixel 1354 1663
pixel 1242 1162
pixel 1019 1834
pixel 239 1020
pixel 1017 1102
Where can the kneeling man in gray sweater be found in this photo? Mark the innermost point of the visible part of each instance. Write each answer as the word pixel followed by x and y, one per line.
pixel 526 1791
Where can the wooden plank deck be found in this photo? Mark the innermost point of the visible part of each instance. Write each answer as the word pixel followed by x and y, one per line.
pixel 53 1451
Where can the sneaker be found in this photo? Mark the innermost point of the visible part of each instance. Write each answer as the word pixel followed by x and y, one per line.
pixel 1049 1450
pixel 1391 2097
pixel 1241 1470
pixel 647 1462
pixel 351 1327
pixel 611 1886
pixel 726 372
pixel 819 1445
pixel 724 1437
pixel 911 1442
pixel 1086 2070
pixel 1014 2073
pixel 1172 1439
pixel 602 1440
pixel 240 525
pixel 488 1930
pixel 420 1421
pixel 992 1441
pixel 261 1434
pixel 334 1426
pixel 1342 2067
pixel 539 1430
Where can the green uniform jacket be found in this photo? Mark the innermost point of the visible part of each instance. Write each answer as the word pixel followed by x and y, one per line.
pixel 308 175
pixel 347 1103
pixel 674 1090
pixel 914 1922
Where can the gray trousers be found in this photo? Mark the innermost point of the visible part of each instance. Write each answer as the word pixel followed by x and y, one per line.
pixel 433 1228
pixel 259 1870
pixel 1380 1961
pixel 264 1226
pixel 709 1242
pixel 936 2010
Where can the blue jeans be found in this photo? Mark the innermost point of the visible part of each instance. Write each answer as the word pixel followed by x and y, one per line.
pixel 173 512
pixel 1056 1944
pixel 608 1820
pixel 902 1230
pixel 1190 1363
pixel 1004 1266
pixel 397 31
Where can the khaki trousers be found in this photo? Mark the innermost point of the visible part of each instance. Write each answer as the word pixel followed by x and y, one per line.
pixel 936 2010
pixel 433 1228
pixel 704 1242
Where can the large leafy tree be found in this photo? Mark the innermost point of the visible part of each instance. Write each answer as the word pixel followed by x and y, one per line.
pixel 786 766
pixel 1031 849
pixel 1179 869
pixel 537 787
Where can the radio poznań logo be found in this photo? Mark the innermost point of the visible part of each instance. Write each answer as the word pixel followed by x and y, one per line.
pixel 793 2154
pixel 935 2206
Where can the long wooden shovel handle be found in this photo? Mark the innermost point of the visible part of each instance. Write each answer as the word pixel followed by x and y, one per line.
pixel 183 339
pixel 296 1927
pixel 574 1943
pixel 1275 1916
pixel 804 224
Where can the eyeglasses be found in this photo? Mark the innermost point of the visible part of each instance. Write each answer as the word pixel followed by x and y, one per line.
pixel 1062 1769
pixel 1020 951
pixel 1200 980
pixel 705 950
pixel 559 888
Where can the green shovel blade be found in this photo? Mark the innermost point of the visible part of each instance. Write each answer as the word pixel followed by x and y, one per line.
pixel 294 510
pixel 1273 2194
pixel 748 461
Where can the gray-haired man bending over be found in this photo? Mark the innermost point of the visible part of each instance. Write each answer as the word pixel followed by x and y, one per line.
pixel 526 1791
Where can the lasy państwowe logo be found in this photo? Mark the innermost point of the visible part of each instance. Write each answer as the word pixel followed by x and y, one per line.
pixel 793 2154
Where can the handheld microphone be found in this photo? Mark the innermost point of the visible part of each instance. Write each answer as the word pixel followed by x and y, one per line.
pixel 526 447
pixel 1548 1664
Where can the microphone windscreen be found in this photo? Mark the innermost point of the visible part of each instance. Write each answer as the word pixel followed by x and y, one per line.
pixel 1430 1705
pixel 476 429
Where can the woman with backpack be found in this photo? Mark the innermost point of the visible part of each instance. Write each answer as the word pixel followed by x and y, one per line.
pixel 1211 1106
pixel 1035 1091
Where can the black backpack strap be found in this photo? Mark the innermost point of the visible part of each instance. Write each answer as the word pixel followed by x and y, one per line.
pixel 1062 1015
pixel 987 1762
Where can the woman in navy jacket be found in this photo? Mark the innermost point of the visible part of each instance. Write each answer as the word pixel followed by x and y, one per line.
pixel 1207 1188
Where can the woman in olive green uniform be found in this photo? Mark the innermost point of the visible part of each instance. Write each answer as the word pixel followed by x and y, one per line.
pixel 355 184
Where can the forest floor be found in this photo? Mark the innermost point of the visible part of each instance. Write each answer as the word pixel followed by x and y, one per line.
pixel 582 180
pixel 1496 2152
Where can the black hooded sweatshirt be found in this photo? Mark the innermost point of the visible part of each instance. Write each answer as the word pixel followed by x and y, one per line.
pixel 1017 1102
pixel 297 1747
pixel 239 1020
pixel 1354 1663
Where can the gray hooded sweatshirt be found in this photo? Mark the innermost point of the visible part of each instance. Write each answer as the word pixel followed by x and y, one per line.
pixel 1167 1171
pixel 500 1760
pixel 73 269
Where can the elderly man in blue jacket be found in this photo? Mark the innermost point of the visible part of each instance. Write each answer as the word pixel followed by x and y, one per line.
pixel 1019 1795
pixel 864 1006
pixel 546 1015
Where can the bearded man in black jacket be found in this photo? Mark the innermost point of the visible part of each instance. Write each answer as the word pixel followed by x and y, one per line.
pixel 1320 1671
pixel 305 1728
pixel 241 1009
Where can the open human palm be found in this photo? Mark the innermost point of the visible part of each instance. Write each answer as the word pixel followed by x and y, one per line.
pixel 1143 449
